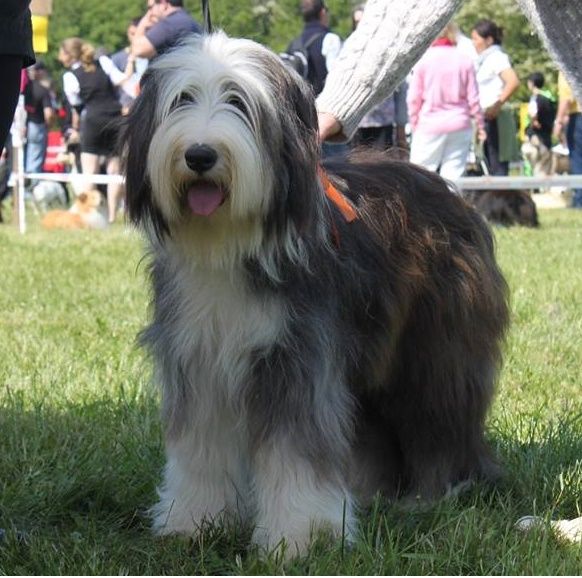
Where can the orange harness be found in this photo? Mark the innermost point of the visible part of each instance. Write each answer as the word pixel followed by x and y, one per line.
pixel 337 198
pixel 344 205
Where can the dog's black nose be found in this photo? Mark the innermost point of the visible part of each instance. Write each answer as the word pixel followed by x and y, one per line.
pixel 200 158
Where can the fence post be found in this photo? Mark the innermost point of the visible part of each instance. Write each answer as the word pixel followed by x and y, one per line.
pixel 18 141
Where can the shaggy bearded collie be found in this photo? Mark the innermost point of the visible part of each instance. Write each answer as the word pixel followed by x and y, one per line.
pixel 319 334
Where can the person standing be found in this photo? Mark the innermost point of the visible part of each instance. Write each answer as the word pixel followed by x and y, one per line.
pixel 541 110
pixel 442 100
pixel 165 23
pixel 89 86
pixel 497 82
pixel 322 48
pixel 385 125
pixel 129 91
pixel 394 34
pixel 569 116
pixel 322 45
pixel 39 115
pixel 16 53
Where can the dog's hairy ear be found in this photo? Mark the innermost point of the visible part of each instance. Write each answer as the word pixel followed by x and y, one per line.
pixel 135 137
pixel 302 101
pixel 297 174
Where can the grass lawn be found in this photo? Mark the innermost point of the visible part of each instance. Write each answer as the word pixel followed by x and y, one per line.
pixel 81 450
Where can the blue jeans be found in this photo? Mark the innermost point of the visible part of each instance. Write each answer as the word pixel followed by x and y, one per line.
pixel 574 136
pixel 36 145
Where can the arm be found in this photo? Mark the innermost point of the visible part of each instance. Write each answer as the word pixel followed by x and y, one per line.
pixel 330 49
pixel 415 96
pixel 47 109
pixel 48 114
pixel 375 59
pixel 565 100
pixel 75 120
pixel 473 100
pixel 115 75
pixel 72 89
pixel 561 117
pixel 510 85
pixel 140 44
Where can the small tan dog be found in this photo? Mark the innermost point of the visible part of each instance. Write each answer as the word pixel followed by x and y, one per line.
pixel 83 214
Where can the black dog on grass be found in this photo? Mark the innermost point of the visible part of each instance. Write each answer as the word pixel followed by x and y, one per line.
pixel 506 207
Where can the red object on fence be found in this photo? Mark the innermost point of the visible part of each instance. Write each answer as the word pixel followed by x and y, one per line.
pixel 56 146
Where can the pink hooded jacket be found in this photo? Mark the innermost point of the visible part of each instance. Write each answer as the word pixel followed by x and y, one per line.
pixel 442 94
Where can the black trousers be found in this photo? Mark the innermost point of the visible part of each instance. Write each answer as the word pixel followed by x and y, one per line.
pixel 496 167
pixel 9 90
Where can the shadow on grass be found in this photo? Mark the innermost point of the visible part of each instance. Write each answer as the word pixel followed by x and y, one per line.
pixel 76 482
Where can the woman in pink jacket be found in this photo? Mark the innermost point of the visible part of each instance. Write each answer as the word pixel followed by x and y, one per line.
pixel 442 100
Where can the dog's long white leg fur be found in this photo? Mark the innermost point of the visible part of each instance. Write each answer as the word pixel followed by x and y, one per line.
pixel 293 502
pixel 204 481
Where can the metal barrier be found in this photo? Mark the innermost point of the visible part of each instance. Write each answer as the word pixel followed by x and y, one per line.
pixel 467 183
pixel 464 183
pixel 518 182
pixel 76 178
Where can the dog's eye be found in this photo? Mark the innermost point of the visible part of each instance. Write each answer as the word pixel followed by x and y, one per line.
pixel 237 103
pixel 184 99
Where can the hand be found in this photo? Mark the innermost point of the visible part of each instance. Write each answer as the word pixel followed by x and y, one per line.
pixel 147 21
pixel 492 111
pixel 481 135
pixel 72 136
pixel 328 125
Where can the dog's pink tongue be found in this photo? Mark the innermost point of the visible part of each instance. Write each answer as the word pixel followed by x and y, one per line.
pixel 204 198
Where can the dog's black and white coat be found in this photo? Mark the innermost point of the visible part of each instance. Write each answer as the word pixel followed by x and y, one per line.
pixel 306 363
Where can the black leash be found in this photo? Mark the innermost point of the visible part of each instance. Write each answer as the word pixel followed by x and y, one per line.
pixel 206 16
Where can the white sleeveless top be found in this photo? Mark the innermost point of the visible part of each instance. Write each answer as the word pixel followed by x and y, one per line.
pixel 490 64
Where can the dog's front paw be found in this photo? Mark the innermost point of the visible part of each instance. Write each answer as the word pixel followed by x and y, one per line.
pixel 288 543
pixel 170 518
pixel 283 545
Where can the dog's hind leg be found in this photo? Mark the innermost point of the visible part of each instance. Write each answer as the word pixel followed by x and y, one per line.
pixel 440 426
pixel 300 420
pixel 444 385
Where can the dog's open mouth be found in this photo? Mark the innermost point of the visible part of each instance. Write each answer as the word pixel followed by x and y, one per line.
pixel 204 197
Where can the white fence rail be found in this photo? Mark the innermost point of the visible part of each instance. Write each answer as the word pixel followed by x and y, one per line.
pixel 78 181
pixel 77 178
pixel 519 182
pixel 466 183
